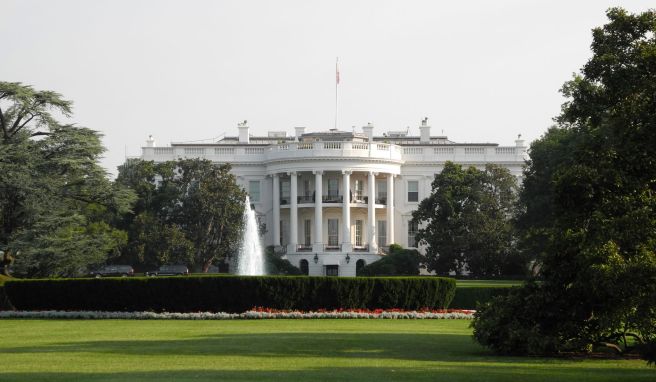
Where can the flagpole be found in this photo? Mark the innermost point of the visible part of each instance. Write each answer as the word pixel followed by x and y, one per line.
pixel 336 87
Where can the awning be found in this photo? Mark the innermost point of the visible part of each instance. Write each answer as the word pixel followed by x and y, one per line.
pixel 331 260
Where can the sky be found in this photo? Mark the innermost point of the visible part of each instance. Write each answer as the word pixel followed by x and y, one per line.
pixel 481 71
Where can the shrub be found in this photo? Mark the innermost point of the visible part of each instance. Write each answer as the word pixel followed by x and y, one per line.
pixel 230 293
pixel 276 265
pixel 399 262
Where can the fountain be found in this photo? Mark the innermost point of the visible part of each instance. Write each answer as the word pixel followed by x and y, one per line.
pixel 250 260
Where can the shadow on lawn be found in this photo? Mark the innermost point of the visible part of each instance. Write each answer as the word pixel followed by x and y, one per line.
pixel 460 372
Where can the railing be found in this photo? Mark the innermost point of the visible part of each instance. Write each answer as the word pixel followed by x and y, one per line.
pixel 332 247
pixel 284 201
pixel 280 249
pixel 382 200
pixel 361 248
pixel 332 198
pixel 304 248
pixel 333 149
pixel 305 199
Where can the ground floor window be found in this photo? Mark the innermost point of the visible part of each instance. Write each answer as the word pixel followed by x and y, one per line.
pixel 308 231
pixel 382 232
pixel 412 231
pixel 358 233
pixel 332 270
pixel 333 229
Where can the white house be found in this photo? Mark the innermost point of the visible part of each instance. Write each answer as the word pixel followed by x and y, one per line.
pixel 305 187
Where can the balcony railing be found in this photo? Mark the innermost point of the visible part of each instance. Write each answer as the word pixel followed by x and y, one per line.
pixel 304 248
pixel 281 250
pixel 382 200
pixel 305 199
pixel 361 248
pixel 332 198
pixel 332 247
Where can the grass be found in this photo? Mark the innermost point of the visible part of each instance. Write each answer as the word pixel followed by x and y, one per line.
pixel 277 350
pixel 3 278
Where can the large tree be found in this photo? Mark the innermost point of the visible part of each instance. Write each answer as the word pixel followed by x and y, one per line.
pixel 590 208
pixel 466 222
pixel 188 211
pixel 57 203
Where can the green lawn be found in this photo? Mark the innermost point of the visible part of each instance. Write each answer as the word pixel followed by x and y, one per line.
pixel 276 350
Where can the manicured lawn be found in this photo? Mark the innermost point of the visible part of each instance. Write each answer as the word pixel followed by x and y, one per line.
pixel 276 350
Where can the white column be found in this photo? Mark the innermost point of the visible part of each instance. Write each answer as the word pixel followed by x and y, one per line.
pixel 346 211
pixel 293 214
pixel 390 209
pixel 276 210
pixel 372 212
pixel 318 212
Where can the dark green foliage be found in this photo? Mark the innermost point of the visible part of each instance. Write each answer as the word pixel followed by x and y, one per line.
pixel 230 293
pixel 590 209
pixel 466 222
pixel 276 265
pixel 399 262
pixel 58 206
pixel 188 211
pixel 472 297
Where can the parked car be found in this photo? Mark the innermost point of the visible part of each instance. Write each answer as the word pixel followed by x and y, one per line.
pixel 113 270
pixel 170 270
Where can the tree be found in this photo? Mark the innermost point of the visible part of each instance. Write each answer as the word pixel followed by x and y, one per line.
pixel 188 211
pixel 399 262
pixel 591 207
pixel 466 222
pixel 57 203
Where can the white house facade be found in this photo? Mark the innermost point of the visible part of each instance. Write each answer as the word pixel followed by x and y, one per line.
pixel 305 187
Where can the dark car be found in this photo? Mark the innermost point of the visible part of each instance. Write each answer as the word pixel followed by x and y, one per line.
pixel 114 270
pixel 170 270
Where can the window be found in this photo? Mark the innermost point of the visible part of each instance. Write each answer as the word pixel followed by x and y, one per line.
pixel 359 186
pixel 332 270
pixel 307 229
pixel 333 229
pixel 412 231
pixel 413 191
pixel 285 192
pixel 305 267
pixel 358 233
pixel 283 233
pixel 306 188
pixel 381 189
pixel 254 190
pixel 381 227
pixel 333 189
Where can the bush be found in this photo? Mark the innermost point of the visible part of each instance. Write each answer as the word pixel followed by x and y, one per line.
pixel 471 297
pixel 230 293
pixel 276 265
pixel 399 262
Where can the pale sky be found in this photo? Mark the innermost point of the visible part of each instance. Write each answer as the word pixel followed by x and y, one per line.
pixel 481 71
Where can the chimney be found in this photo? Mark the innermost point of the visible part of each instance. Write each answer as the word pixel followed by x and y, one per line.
pixel 300 130
pixel 369 131
pixel 150 142
pixel 424 130
pixel 519 142
pixel 243 132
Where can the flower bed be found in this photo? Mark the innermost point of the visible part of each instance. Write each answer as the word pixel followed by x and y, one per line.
pixel 253 314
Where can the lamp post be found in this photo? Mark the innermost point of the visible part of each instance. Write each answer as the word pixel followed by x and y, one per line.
pixel 316 258
pixel 348 258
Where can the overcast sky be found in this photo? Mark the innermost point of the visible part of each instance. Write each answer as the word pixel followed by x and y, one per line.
pixel 481 71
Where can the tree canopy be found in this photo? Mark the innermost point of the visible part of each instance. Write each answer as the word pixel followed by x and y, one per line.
pixel 57 203
pixel 466 222
pixel 188 211
pixel 590 208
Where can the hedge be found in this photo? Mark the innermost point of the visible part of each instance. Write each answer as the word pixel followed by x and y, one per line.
pixel 469 297
pixel 231 293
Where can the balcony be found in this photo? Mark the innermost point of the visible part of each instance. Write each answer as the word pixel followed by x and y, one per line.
pixel 332 247
pixel 332 198
pixel 306 199
pixel 304 248
pixel 381 200
pixel 361 248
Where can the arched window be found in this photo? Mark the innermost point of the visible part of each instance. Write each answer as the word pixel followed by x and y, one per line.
pixel 358 266
pixel 305 268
